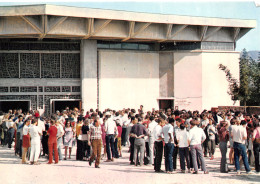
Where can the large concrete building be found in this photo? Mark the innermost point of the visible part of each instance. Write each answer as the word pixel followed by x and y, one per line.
pixel 57 56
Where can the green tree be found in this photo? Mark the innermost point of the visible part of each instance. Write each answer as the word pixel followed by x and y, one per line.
pixel 248 89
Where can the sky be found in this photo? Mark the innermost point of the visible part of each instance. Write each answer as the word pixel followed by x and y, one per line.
pixel 210 8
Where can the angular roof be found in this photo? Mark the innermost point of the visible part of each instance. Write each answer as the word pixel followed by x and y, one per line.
pixel 51 21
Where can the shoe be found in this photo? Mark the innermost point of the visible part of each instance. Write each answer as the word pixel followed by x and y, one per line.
pixel 132 163
pixel 159 171
pixel 56 162
pixel 249 172
pixel 49 163
pixel 183 171
pixel 97 166
pixel 206 172
pixel 112 159
pixel 195 172
pixel 238 172
pixel 36 163
pixel 211 158
pixel 65 159
pixel 108 160
pixel 89 163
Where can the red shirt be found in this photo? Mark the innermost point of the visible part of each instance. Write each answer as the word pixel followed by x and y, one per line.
pixel 119 129
pixel 52 134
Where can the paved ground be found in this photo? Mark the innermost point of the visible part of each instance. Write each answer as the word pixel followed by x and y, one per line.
pixel 117 172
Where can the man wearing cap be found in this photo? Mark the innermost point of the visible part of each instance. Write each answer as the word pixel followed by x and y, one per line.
pixel 110 128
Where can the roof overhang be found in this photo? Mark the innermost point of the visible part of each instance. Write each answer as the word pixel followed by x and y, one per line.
pixel 51 21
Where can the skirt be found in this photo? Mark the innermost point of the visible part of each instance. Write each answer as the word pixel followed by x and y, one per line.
pixel 26 141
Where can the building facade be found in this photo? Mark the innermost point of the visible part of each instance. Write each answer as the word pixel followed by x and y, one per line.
pixel 57 56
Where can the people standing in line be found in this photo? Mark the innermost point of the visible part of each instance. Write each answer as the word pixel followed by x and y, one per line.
pixel 68 138
pixel 239 137
pixel 183 142
pixel 256 145
pixel 95 141
pixel 26 140
pixel 151 127
pixel 197 137
pixel 52 141
pixel 110 127
pixel 158 145
pixel 169 146
pixel 211 131
pixel 139 132
pixel 35 134
pixel 223 138
pixel 60 133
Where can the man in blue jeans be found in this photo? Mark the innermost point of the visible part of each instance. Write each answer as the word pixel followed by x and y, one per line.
pixel 169 146
pixel 239 136
pixel 111 130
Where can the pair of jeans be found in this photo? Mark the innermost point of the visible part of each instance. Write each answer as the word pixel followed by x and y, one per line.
pixel 96 154
pixel 168 149
pixel 10 137
pixel 240 149
pixel 174 157
pixel 151 150
pixel 184 155
pixel 256 148
pixel 158 146
pixel 124 136
pixel 139 147
pixel 59 144
pixel 132 147
pixel 223 150
pixel 115 148
pixel 196 150
pixel 211 147
pixel 110 146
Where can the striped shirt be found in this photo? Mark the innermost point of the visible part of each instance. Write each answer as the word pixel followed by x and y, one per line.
pixel 95 132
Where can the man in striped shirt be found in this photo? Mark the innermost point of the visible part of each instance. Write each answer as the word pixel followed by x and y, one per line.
pixel 95 139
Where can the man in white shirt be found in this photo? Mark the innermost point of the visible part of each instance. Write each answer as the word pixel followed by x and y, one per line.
pixel 158 145
pixel 124 117
pixel 169 146
pixel 197 137
pixel 239 137
pixel 60 133
pixel 182 139
pixel 111 129
pixel 151 127
pixel 35 133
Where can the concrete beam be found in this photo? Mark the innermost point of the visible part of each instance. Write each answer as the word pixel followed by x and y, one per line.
pixel 140 28
pixel 236 32
pixel 131 30
pixel 211 31
pixel 203 32
pixel 177 29
pixel 33 25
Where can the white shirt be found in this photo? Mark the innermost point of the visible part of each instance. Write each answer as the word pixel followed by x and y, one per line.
pixel 197 135
pixel 157 133
pixel 151 127
pixel 35 132
pixel 10 124
pixel 41 125
pixel 110 126
pixel 238 133
pixel 183 137
pixel 26 129
pixel 125 120
pixel 60 131
pixel 119 120
pixel 167 129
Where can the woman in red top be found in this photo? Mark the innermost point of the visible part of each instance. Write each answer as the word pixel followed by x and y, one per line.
pixel 52 142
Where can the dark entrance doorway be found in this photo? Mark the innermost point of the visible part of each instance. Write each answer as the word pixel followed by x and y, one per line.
pixel 59 105
pixel 165 104
pixel 5 106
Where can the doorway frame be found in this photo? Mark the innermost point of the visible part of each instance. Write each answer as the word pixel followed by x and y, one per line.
pixel 53 100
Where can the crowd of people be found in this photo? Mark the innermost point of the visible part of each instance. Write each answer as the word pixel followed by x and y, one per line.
pixel 150 135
